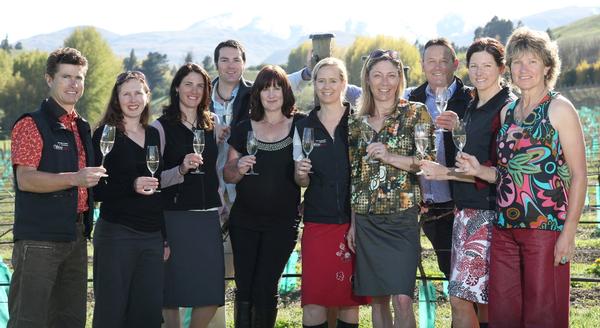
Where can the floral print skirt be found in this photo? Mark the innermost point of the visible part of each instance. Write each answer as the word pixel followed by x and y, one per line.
pixel 471 236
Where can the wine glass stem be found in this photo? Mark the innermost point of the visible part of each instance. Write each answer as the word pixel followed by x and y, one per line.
pixel 103 157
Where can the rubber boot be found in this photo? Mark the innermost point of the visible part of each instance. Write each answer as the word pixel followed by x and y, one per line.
pixel 242 314
pixel 344 324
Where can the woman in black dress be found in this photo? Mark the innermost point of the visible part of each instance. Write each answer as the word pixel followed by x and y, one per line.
pixel 264 217
pixel 129 237
pixel 195 272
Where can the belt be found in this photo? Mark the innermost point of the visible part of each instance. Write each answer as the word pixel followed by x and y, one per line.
pixel 80 218
pixel 449 205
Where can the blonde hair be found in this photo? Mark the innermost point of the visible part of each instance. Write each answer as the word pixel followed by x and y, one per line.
pixel 366 102
pixel 524 40
pixel 334 62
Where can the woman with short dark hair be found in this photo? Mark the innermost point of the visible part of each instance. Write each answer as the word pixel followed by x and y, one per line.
pixel 263 223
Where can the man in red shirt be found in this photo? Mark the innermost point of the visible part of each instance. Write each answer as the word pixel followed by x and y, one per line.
pixel 51 156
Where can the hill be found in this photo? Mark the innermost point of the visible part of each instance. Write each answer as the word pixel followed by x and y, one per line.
pixel 588 27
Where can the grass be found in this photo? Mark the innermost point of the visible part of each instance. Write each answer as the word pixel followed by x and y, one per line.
pixel 585 296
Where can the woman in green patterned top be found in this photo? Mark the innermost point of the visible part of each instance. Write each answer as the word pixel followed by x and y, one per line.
pixel 385 192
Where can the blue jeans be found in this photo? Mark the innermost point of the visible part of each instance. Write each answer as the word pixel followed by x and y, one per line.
pixel 49 283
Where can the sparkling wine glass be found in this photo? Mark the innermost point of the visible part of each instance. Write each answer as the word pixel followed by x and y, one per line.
pixel 308 141
pixel 152 160
pixel 421 140
pixel 226 114
pixel 198 145
pixel 252 148
pixel 441 102
pixel 368 135
pixel 107 140
pixel 459 136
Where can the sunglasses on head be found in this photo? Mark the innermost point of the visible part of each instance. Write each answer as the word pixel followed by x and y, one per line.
pixel 130 75
pixel 377 53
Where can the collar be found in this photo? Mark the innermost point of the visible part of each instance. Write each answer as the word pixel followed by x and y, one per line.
pixel 451 88
pixel 214 91
pixel 313 113
pixel 53 108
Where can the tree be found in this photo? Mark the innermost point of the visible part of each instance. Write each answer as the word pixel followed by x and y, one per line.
pixel 4 45
pixel 189 58
pixel 297 57
pixel 24 89
pixel 156 68
pixel 208 63
pixel 131 63
pixel 19 46
pixel 103 67
pixel 499 29
pixel 363 46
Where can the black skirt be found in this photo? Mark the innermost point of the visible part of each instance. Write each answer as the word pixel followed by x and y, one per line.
pixel 195 271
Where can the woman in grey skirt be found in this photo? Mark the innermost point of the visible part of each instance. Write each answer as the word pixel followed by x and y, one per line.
pixel 385 194
pixel 194 274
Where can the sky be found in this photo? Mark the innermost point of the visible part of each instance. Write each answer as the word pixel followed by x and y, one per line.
pixel 20 20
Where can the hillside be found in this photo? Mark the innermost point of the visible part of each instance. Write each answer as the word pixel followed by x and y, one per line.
pixel 583 28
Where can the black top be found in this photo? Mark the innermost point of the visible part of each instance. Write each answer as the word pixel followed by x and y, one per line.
pixel 482 126
pixel 271 198
pixel 59 154
pixel 197 191
pixel 120 202
pixel 327 197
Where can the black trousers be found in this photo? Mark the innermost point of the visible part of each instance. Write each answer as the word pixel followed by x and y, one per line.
pixel 128 277
pixel 439 233
pixel 259 258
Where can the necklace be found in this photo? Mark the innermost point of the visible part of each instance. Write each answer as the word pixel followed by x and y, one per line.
pixel 192 125
pixel 523 112
pixel 223 98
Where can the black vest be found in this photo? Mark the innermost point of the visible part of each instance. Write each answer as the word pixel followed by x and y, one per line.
pixel 480 139
pixel 51 216
pixel 198 191
pixel 327 197
pixel 457 103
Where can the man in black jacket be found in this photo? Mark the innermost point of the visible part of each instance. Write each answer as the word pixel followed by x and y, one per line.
pixel 439 63
pixel 52 154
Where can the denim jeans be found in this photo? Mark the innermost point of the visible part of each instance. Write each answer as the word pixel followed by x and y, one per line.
pixel 49 283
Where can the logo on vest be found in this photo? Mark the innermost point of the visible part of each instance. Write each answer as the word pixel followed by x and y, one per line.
pixel 60 145
pixel 320 142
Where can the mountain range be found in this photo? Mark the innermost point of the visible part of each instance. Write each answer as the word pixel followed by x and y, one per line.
pixel 264 47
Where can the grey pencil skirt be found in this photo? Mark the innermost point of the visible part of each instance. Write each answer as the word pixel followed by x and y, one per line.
pixel 387 253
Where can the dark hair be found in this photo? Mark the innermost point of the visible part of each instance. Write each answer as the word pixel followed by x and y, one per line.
pixel 172 111
pixel 271 75
pixel 440 42
pixel 114 113
pixel 489 45
pixel 229 44
pixel 65 56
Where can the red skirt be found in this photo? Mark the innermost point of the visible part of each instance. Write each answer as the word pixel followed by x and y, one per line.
pixel 327 266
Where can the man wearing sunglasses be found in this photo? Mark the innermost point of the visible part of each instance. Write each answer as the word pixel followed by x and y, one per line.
pixel 52 157
pixel 439 63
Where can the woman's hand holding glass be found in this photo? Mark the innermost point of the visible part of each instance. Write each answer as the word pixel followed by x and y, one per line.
pixel 190 162
pixel 378 151
pixel 245 163
pixel 303 167
pixel 432 170
pixel 468 164
pixel 145 185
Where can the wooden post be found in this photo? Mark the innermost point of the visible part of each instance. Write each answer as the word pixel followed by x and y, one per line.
pixel 321 45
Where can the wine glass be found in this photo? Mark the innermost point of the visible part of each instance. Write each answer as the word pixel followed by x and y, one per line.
pixel 198 145
pixel 459 136
pixel 107 140
pixel 226 113
pixel 441 102
pixel 421 140
pixel 252 148
pixel 152 160
pixel 368 134
pixel 308 141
